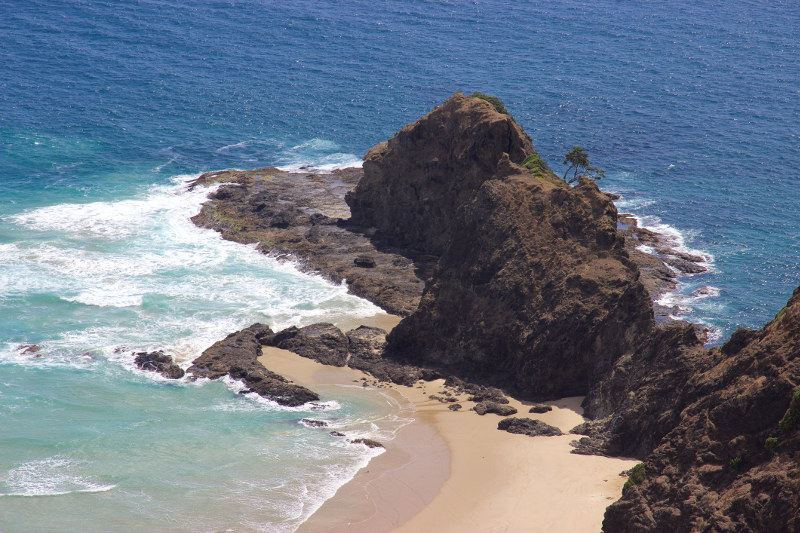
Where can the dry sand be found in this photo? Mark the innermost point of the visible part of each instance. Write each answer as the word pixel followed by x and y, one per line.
pixel 454 471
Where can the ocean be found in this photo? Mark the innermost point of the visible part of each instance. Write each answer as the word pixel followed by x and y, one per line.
pixel 108 108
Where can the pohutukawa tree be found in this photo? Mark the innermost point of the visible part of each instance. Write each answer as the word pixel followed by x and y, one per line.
pixel 578 162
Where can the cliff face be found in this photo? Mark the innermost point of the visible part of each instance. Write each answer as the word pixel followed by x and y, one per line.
pixel 533 290
pixel 414 183
pixel 719 469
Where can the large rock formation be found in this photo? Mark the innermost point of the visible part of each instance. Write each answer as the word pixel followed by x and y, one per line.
pixel 414 183
pixel 731 462
pixel 533 290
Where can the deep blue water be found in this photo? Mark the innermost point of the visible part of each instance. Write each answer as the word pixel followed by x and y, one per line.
pixel 691 107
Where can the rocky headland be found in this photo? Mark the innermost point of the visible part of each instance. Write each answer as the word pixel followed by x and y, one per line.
pixel 509 277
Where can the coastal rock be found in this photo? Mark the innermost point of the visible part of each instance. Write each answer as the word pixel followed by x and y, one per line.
pixel 414 183
pixel 302 216
pixel 237 356
pixel 366 343
pixel 158 362
pixel 497 408
pixel 528 426
pixel 539 409
pixel 730 461
pixel 532 270
pixel 369 443
pixel 322 342
pixel 314 423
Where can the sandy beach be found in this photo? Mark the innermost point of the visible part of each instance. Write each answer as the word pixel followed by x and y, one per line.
pixel 454 471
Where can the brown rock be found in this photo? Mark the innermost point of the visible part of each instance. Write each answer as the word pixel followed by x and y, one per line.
pixel 527 426
pixel 158 362
pixel 237 355
pixel 497 408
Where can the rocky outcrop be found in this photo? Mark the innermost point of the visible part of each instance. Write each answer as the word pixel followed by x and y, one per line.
pixel 322 342
pixel 361 348
pixel 528 426
pixel 237 356
pixel 533 290
pixel 414 183
pixel 534 293
pixel 302 216
pixel 728 463
pixel 640 397
pixel 158 362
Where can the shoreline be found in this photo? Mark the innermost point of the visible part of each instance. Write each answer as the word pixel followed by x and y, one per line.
pixel 455 471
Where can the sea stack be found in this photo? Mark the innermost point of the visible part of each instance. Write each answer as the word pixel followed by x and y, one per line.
pixel 533 290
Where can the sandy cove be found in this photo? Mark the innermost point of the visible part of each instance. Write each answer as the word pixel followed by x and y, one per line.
pixel 454 471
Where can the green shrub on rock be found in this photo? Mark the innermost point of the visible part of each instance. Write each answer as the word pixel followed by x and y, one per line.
pixel 770 444
pixel 495 101
pixel 635 476
pixel 791 419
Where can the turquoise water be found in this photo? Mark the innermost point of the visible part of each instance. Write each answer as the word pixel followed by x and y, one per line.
pixel 107 108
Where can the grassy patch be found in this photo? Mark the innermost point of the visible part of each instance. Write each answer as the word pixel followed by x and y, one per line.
pixel 495 101
pixel 736 462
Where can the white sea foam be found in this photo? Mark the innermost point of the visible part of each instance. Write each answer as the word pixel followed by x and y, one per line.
pixel 54 476
pixel 685 300
pixel 178 287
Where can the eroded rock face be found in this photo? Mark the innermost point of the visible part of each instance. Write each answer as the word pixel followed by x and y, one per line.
pixel 716 470
pixel 237 356
pixel 414 183
pixel 534 293
pixel 533 290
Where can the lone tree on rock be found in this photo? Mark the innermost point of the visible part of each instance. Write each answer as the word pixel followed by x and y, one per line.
pixel 578 163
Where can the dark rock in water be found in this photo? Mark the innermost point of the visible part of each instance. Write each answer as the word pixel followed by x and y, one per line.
pixel 454 406
pixel 29 348
pixel 237 355
pixel 364 261
pixel 540 409
pixel 159 362
pixel 527 426
pixel 322 342
pixel 314 423
pixel 687 267
pixel 369 443
pixel 497 408
pixel 336 434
